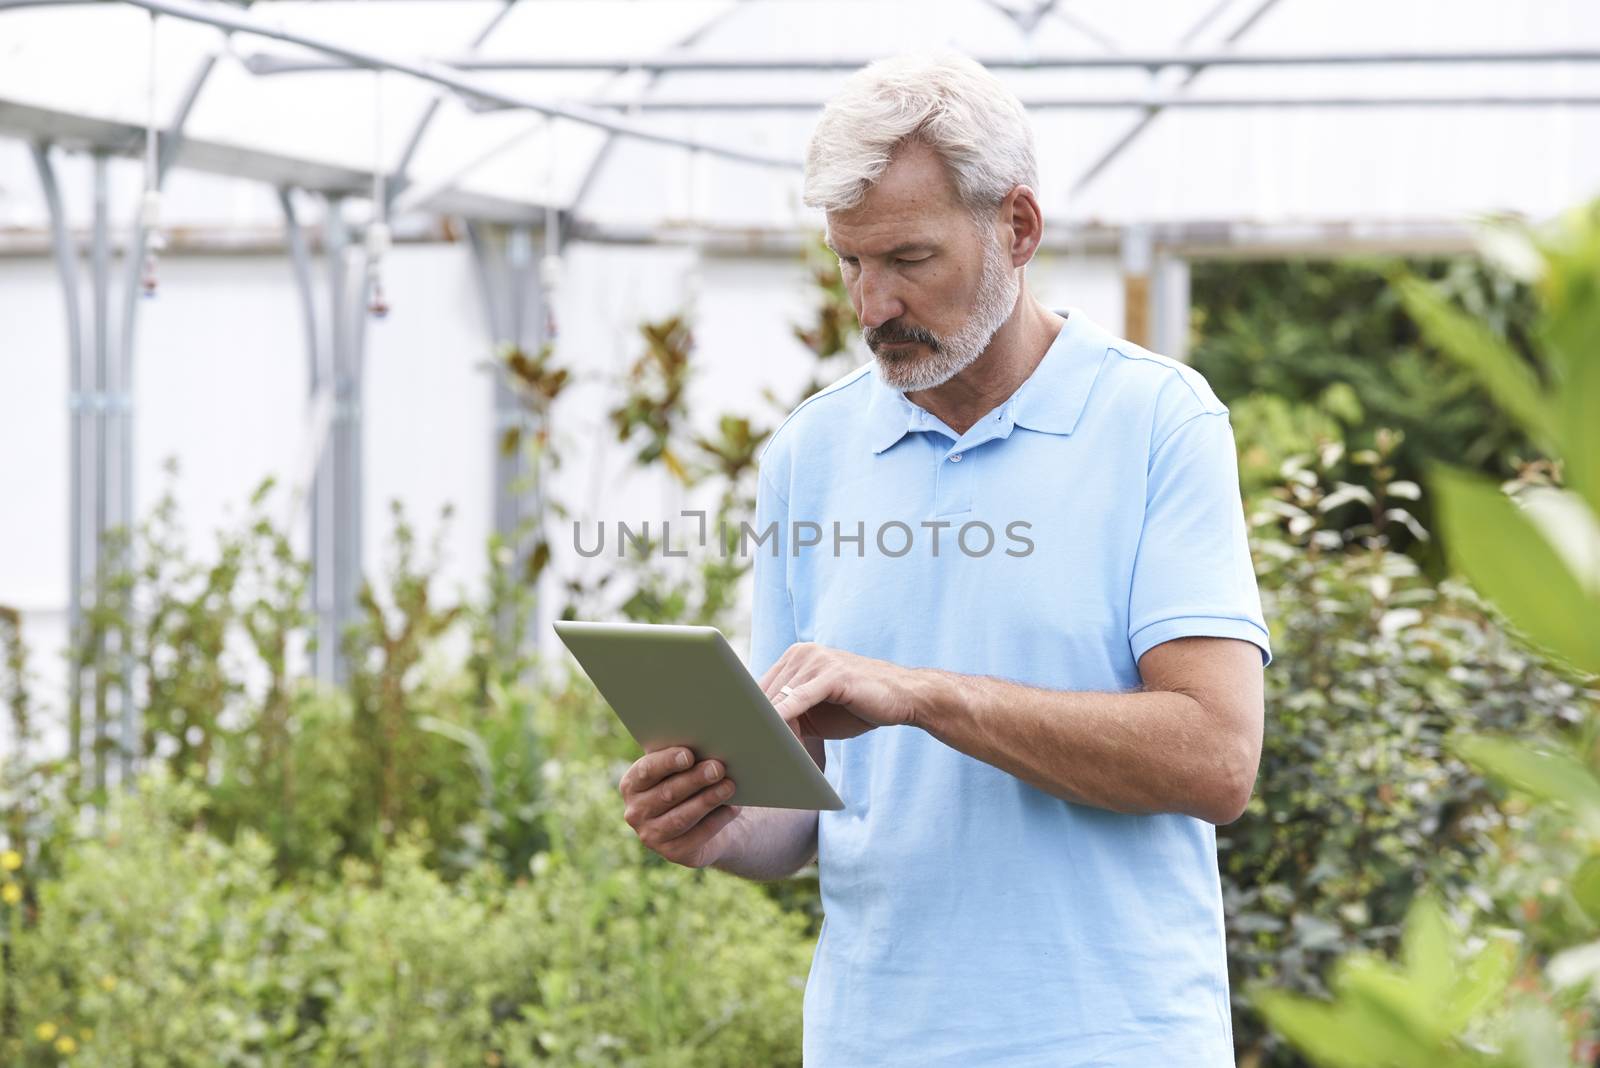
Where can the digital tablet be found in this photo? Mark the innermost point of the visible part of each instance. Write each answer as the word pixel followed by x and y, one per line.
pixel 676 684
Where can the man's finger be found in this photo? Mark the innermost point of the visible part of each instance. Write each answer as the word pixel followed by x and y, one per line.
pixel 653 767
pixel 675 789
pixel 779 666
pixel 686 846
pixel 682 818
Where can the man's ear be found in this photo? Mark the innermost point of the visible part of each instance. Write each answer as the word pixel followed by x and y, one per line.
pixel 1025 220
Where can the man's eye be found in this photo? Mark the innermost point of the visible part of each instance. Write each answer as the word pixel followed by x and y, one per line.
pixel 910 263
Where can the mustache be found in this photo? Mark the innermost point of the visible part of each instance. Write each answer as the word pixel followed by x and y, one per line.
pixel 892 332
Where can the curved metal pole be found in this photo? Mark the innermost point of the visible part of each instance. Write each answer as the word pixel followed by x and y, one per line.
pixel 13 5
pixel 171 140
pixel 270 63
pixel 1142 123
pixel 598 162
pixel 100 263
pixel 66 258
pixel 300 261
pixel 126 501
pixel 399 179
pixel 450 79
pixel 1167 101
pixel 329 516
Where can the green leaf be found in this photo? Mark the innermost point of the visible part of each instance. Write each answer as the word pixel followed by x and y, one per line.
pixel 1496 365
pixel 1342 400
pixel 477 753
pixel 1580 429
pixel 1394 1002
pixel 1569 289
pixel 1428 947
pixel 1586 887
pixel 1571 528
pixel 1334 1035
pixel 1536 1037
pixel 1506 556
pixel 1480 982
pixel 1549 775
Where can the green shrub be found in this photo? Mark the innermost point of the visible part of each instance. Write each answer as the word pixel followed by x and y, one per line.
pixel 1304 348
pixel 1358 802
pixel 1491 987
pixel 161 944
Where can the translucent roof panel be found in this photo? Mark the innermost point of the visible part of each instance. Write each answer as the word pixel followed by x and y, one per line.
pixel 1266 142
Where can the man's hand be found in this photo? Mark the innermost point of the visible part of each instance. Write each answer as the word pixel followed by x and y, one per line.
pixel 676 806
pixel 836 694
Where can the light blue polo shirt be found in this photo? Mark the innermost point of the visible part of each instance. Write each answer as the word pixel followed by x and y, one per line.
pixel 970 918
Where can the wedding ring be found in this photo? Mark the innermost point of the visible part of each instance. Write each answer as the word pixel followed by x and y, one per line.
pixel 785 691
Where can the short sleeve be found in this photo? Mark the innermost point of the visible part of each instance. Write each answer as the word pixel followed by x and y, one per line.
pixel 1192 574
pixel 772 627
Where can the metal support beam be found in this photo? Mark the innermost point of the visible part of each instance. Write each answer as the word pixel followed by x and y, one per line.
pixel 329 471
pixel 1169 305
pixel 80 446
pixel 273 63
pixel 97 404
pixel 1137 260
pixel 300 263
pixel 514 310
pixel 336 490
pixel 100 408
pixel 122 440
pixel 111 401
pixel 324 490
pixel 1117 147
pixel 448 78
pixel 1191 240
pixel 67 130
pixel 313 476
pixel 402 171
pixel 592 172
pixel 1158 102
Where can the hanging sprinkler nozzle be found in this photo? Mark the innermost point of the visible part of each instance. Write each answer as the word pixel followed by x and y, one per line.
pixel 154 242
pixel 378 243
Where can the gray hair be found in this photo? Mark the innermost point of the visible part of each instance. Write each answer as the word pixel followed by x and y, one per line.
pixel 948 101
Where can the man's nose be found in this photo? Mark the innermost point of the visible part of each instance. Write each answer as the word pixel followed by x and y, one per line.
pixel 877 302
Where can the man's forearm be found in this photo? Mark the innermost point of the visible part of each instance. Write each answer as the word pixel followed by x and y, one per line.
pixel 1138 752
pixel 770 843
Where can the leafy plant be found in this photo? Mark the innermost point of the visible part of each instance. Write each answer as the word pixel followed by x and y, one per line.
pixel 384 650
pixel 161 944
pixel 1331 350
pixel 1454 1002
pixel 1358 802
pixel 537 381
pixel 833 326
pixel 655 404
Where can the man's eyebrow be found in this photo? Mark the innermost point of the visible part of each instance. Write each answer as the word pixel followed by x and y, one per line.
pixel 904 246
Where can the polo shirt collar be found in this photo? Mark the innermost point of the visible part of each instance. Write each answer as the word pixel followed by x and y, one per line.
pixel 1050 400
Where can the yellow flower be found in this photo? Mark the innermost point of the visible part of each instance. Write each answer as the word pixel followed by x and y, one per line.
pixel 10 860
pixel 46 1031
pixel 108 982
pixel 65 1044
pixel 11 893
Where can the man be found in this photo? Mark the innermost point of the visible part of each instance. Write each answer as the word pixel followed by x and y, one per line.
pixel 1034 742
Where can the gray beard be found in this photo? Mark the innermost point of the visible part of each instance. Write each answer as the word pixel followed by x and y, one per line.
pixel 998 289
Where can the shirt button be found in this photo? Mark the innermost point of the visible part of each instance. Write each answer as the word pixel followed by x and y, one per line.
pixel 955 457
